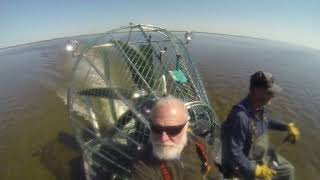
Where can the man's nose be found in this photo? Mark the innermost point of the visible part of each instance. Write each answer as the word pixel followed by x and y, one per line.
pixel 164 136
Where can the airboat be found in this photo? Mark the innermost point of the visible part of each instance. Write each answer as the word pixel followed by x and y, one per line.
pixel 116 80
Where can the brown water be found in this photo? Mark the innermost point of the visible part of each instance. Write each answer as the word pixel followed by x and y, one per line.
pixel 35 133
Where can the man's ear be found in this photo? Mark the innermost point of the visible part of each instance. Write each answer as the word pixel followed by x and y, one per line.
pixel 187 124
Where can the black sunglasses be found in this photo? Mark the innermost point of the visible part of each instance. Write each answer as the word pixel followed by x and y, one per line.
pixel 170 130
pixel 270 93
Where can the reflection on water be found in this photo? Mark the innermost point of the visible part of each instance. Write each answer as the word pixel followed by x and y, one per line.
pixel 35 141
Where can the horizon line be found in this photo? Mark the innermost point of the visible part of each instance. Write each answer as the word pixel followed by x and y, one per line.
pixel 202 32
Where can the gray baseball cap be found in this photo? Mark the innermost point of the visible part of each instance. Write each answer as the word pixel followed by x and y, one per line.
pixel 262 79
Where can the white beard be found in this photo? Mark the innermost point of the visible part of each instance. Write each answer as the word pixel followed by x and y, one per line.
pixel 169 150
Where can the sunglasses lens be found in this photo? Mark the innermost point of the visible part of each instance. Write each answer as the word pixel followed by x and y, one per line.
pixel 156 129
pixel 174 130
pixel 270 93
pixel 170 130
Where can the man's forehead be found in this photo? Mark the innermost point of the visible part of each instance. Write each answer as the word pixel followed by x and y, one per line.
pixel 170 113
pixel 167 112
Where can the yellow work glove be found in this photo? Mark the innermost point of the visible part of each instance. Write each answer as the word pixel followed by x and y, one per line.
pixel 264 172
pixel 294 134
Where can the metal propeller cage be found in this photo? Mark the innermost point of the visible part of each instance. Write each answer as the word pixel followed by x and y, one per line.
pixel 116 80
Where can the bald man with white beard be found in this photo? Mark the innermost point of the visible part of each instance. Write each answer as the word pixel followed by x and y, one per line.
pixel 172 153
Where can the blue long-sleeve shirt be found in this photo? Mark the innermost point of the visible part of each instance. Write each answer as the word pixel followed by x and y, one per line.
pixel 237 134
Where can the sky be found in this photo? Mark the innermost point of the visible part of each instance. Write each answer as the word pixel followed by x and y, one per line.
pixel 293 21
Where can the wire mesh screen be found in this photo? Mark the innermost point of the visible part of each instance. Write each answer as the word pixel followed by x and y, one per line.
pixel 117 79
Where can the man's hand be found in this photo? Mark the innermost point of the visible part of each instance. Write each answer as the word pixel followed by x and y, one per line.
pixel 264 172
pixel 294 133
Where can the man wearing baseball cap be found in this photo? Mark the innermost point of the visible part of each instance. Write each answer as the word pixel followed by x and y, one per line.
pixel 245 151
